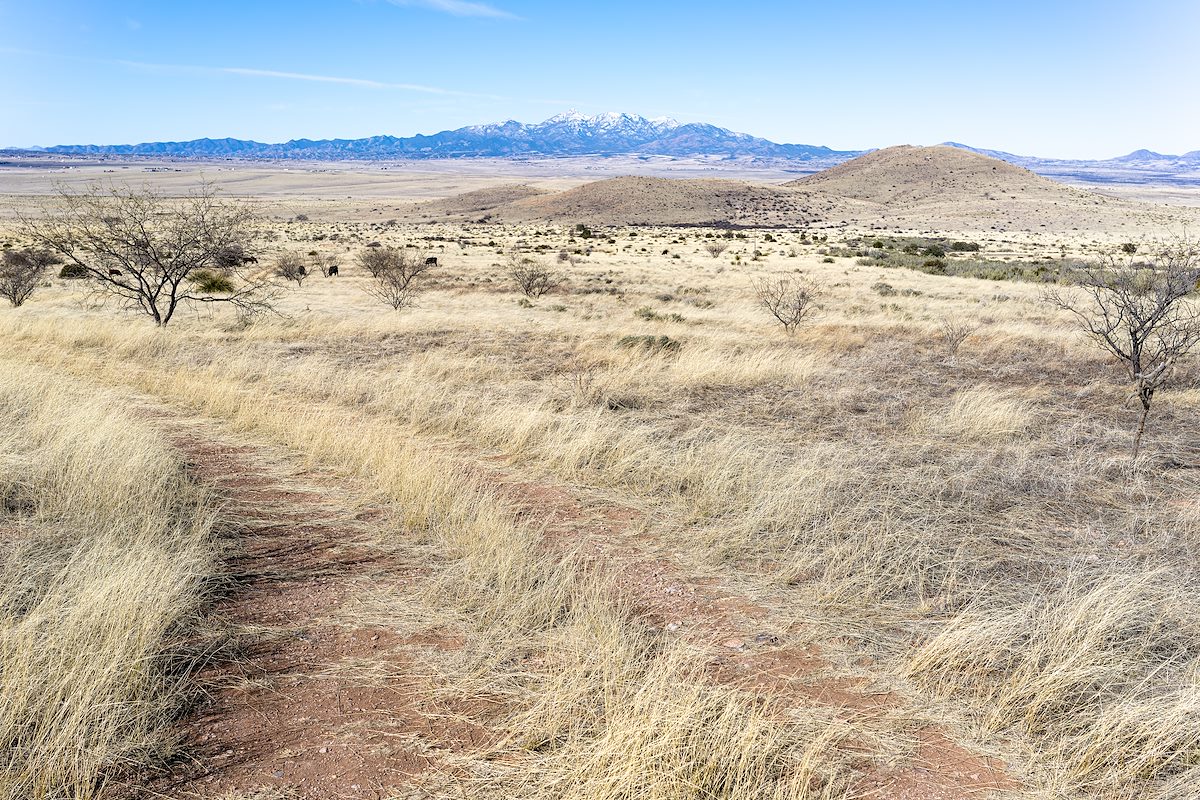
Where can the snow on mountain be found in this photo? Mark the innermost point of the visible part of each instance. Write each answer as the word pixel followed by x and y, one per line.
pixel 568 133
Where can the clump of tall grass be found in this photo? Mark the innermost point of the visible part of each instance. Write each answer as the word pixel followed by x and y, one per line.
pixel 981 414
pixel 108 548
pixel 620 716
pixel 1103 673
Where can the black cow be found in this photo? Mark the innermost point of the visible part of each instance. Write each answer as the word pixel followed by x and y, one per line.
pixel 249 260
pixel 333 271
pixel 114 273
pixel 431 261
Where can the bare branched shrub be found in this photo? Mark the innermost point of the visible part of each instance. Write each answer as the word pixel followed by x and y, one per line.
pixel 953 332
pixel 374 260
pixel 716 248
pixel 322 263
pixel 531 275
pixel 1141 313
pixel 790 300
pixel 290 266
pixel 398 275
pixel 140 247
pixel 22 271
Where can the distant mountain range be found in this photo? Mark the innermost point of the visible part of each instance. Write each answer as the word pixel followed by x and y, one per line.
pixel 569 134
pixel 574 134
pixel 1140 166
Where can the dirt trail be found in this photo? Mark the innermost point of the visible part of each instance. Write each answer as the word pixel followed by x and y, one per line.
pixel 296 714
pixel 748 647
pixel 292 713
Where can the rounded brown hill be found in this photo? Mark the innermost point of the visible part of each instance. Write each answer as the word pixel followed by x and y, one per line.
pixel 477 205
pixel 917 174
pixel 673 201
pixel 946 188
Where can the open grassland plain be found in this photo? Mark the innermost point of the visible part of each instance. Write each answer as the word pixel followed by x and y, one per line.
pixel 627 539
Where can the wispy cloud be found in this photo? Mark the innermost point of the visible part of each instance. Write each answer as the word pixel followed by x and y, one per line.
pixel 251 72
pixel 459 8
pixel 364 82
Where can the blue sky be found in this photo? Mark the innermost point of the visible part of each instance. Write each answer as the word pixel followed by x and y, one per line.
pixel 1071 79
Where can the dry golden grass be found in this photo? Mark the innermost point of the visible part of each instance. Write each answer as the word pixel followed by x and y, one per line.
pixel 970 526
pixel 107 556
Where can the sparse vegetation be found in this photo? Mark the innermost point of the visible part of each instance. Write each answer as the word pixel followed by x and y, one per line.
pixel 954 332
pixel 322 263
pixel 22 271
pixel 790 300
pixel 291 266
pixel 571 556
pixel 140 247
pixel 1141 313
pixel 398 275
pixel 531 275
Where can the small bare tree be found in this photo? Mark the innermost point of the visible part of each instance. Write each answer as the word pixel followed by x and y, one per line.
pixel 790 300
pixel 1141 313
pixel 400 275
pixel 22 271
pixel 531 275
pixel 290 266
pixel 140 247
pixel 716 247
pixel 322 263
pixel 954 332
pixel 374 260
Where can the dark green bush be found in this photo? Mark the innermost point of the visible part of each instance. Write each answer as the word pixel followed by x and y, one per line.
pixel 208 282
pixel 73 271
pixel 648 342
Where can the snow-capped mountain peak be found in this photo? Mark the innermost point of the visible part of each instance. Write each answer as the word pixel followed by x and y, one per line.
pixel 565 134
pixel 609 122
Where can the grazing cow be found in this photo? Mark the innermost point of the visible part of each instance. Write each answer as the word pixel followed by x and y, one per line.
pixel 113 273
pixel 333 271
pixel 431 261
pixel 249 260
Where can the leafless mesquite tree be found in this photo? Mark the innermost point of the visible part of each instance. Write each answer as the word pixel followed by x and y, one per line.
pixel 400 275
pixel 1141 312
pixel 531 275
pixel 22 271
pixel 140 247
pixel 375 260
pixel 291 267
pixel 789 299
pixel 716 248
